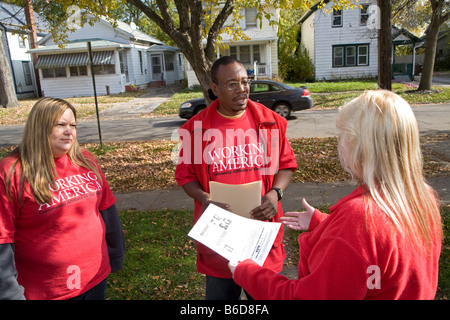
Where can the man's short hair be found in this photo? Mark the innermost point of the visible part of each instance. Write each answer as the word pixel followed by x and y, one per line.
pixel 225 60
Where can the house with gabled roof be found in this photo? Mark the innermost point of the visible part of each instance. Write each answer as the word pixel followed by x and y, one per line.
pixel 124 58
pixel 258 50
pixel 343 43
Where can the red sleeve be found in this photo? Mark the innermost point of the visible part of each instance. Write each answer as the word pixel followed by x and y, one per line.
pixel 185 171
pixel 337 272
pixel 316 219
pixel 8 209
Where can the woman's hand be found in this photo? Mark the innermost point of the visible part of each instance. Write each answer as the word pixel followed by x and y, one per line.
pixel 299 220
pixel 232 266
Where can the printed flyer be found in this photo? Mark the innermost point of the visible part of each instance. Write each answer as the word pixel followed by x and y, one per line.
pixel 234 237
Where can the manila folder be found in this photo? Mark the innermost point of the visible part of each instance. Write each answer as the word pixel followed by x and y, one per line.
pixel 242 198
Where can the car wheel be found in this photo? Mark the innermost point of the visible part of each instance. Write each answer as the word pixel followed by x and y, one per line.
pixel 198 109
pixel 282 109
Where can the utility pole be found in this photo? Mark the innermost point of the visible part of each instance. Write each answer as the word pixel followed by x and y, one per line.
pixel 29 14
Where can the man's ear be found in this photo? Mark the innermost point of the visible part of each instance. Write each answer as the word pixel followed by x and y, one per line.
pixel 213 86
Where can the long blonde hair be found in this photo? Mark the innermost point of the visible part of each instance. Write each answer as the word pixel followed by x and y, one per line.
pixel 380 146
pixel 35 154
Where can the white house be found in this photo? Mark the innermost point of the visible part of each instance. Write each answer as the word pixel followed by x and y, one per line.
pixel 259 54
pixel 123 58
pixel 16 43
pixel 341 43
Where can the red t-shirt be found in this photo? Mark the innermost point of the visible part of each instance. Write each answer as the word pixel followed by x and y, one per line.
pixel 235 155
pixel 60 246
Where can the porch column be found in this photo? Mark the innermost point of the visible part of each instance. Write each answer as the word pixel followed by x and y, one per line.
pixel 269 58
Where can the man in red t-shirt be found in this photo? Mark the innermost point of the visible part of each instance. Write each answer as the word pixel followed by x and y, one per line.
pixel 234 141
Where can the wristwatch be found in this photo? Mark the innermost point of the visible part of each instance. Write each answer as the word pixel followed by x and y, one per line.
pixel 279 192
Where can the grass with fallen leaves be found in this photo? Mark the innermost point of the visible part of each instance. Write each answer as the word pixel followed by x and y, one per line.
pixel 150 165
pixel 160 258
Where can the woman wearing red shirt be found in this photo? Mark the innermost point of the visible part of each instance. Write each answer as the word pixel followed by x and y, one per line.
pixel 382 241
pixel 60 233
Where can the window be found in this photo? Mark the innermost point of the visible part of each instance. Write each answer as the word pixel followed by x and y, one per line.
pixel 22 39
pixel 338 56
pixel 27 73
pixel 121 62
pixel 233 52
pixel 104 69
pixel 263 87
pixel 364 14
pixel 363 55
pixel 141 63
pixel 256 55
pixel 54 72
pixel 168 59
pixel 250 17
pixel 78 71
pixel 337 18
pixel 244 54
pixel 351 55
pixel 259 87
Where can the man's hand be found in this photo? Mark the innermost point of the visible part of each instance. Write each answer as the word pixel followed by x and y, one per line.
pixel 195 191
pixel 268 208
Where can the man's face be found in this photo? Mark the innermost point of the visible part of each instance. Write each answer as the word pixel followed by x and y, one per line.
pixel 231 102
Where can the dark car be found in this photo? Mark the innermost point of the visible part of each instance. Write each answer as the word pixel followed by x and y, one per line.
pixel 279 97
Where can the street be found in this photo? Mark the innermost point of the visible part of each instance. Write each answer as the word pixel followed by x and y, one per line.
pixel 432 119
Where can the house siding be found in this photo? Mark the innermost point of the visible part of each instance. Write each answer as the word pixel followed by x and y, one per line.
pixel 258 36
pixel 308 36
pixel 325 37
pixel 98 30
pixel 136 63
pixel 81 86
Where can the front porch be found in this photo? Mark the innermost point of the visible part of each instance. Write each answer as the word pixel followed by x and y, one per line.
pixel 255 57
pixel 404 65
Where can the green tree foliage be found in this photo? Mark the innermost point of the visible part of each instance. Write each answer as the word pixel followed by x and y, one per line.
pixel 295 63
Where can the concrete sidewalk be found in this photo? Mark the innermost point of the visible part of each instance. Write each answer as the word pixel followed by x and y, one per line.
pixel 318 195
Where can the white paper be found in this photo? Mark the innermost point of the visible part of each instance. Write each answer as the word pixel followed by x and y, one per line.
pixel 234 237
pixel 242 198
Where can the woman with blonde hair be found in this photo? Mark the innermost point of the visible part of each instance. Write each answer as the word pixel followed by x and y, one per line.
pixel 60 233
pixel 382 241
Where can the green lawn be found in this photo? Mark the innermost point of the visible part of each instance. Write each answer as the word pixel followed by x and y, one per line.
pixel 325 94
pixel 160 258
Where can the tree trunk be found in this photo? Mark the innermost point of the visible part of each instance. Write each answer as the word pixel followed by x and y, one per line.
pixel 385 45
pixel 8 98
pixel 188 36
pixel 430 47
